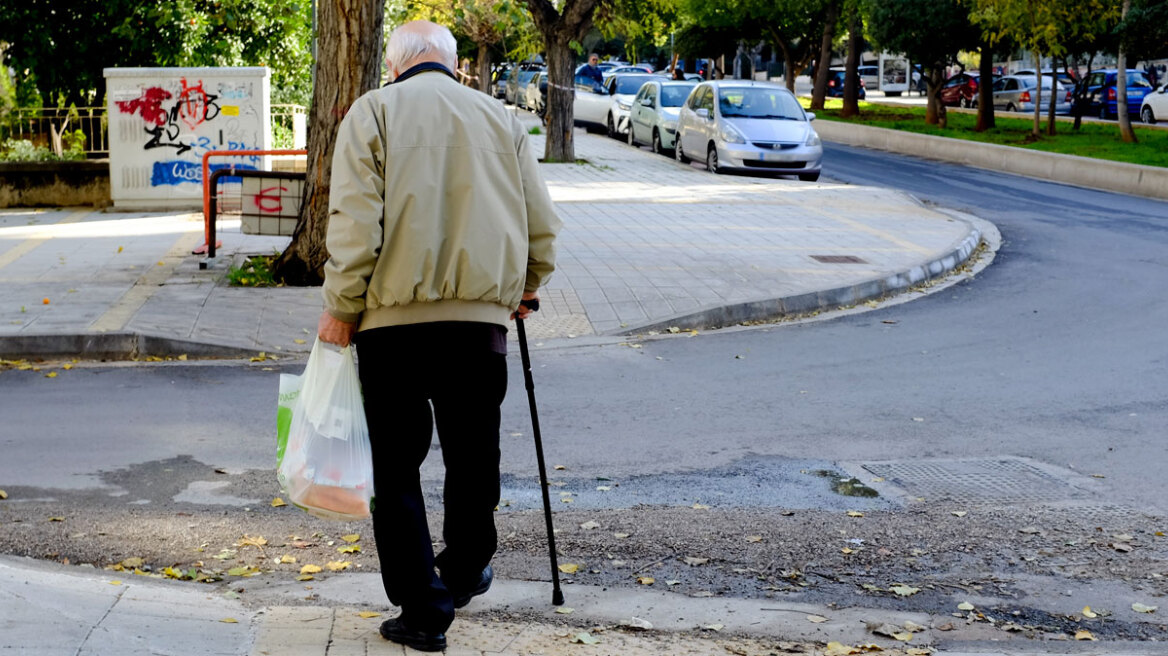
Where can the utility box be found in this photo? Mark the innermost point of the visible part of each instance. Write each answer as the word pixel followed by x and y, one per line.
pixel 162 120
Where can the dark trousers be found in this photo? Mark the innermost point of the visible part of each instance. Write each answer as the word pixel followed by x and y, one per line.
pixel 407 391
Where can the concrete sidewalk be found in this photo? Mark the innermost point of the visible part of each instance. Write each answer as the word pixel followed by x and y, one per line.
pixel 648 244
pixel 48 609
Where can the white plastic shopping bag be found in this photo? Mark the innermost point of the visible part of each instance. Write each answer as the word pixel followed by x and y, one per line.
pixel 323 461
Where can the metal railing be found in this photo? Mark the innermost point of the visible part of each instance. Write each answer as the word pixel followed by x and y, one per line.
pixel 38 124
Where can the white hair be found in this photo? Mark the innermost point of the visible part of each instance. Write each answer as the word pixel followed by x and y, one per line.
pixel 407 45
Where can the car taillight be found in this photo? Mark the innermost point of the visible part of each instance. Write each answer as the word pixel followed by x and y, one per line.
pixel 1068 98
pixel 831 83
pixel 862 83
pixel 1025 97
pixel 1111 93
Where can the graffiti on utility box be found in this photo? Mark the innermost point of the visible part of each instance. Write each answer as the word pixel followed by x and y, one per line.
pixel 162 122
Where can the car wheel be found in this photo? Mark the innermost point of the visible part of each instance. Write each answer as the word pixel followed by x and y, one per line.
pixel 1147 116
pixel 1011 108
pixel 809 177
pixel 632 141
pixel 611 127
pixel 712 159
pixel 657 141
pixel 678 154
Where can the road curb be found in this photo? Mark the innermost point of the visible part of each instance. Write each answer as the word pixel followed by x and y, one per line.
pixel 830 299
pixel 112 346
pixel 1088 172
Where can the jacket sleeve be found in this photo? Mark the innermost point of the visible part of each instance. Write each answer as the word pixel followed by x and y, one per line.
pixel 356 210
pixel 542 221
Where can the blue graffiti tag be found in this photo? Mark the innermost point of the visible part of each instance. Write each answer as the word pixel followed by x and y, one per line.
pixel 179 172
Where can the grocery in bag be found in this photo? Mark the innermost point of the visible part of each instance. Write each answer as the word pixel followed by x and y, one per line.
pixel 323 461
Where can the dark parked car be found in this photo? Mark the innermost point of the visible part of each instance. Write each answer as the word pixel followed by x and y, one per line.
pixel 1102 97
pixel 501 78
pixel 517 86
pixel 835 84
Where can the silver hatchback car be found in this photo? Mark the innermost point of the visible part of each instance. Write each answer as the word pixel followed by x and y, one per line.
pixel 1016 93
pixel 748 126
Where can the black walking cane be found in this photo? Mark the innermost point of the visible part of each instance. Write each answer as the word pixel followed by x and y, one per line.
pixel 557 593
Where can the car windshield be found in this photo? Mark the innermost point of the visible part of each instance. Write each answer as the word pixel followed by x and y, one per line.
pixel 674 95
pixel 525 76
pixel 757 102
pixel 629 84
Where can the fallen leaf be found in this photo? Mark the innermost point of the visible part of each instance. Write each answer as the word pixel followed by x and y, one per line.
pixel 310 569
pixel 902 636
pixel 589 525
pixel 839 649
pixel 249 541
pixel 603 488
pixel 133 563
pixel 913 627
pixel 673 582
pixel 713 627
pixel 564 610
pixel 277 502
pixel 120 248
pixel 67 367
pixel 646 580
pixel 352 548
pixel 227 620
pixel 965 605
pixel 559 468
pixel 3 495
pixel 903 590
pixel 917 651
pixel 584 638
pixel 1141 608
pixel 637 623
pixel 351 538
pixel 817 619
pixel 243 571
pixel 287 559
pixel 855 513
pixel 338 565
pixel 694 561
pixel 366 614
pixel 298 341
pixel 846 550
pixel 1084 635
pixel 115 582
pixel 306 577
pixel 918 419
pixel 56 519
pixel 960 513
pixel 569 568
pixel 51 374
pixel 183 357
pixel 700 506
pixel 754 538
pixel 1123 537
pixel 1121 547
pixel 620 536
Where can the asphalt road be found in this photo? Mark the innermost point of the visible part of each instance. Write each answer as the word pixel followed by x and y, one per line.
pixel 1054 355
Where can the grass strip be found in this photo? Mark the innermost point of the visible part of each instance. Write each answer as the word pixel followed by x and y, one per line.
pixel 1097 140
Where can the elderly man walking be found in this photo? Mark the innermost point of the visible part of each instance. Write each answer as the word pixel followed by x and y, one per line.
pixel 440 231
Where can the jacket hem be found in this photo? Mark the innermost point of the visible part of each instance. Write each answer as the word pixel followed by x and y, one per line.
pixel 431 311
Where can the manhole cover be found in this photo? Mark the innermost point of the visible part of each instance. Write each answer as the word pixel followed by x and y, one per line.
pixel 976 480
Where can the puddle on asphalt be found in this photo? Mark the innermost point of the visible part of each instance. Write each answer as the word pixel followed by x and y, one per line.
pixel 842 485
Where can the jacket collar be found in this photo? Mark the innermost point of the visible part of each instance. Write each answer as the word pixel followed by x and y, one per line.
pixel 422 68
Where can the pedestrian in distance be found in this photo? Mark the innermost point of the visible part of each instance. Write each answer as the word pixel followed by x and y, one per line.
pixel 592 70
pixel 441 230
pixel 678 74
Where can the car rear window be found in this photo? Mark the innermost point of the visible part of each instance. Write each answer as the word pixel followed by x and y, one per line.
pixel 675 94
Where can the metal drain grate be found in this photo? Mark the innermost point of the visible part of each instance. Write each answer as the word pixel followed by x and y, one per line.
pixel 838 259
pixel 990 479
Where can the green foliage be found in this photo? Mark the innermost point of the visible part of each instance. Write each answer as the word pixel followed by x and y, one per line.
pixel 535 130
pixel 23 150
pixel 936 32
pixel 256 272
pixel 58 49
pixel 1144 33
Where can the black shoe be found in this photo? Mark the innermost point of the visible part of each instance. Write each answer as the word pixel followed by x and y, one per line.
pixel 483 584
pixel 395 630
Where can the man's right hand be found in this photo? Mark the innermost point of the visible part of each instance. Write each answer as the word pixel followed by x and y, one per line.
pixel 525 310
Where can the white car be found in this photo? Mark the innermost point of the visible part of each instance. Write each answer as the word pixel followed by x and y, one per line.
pixel 1155 105
pixel 607 105
pixel 653 117
pixel 749 126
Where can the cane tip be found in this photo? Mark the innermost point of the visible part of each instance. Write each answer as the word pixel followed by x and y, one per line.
pixel 557 597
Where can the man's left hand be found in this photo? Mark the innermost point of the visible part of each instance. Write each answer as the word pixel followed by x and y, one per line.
pixel 334 331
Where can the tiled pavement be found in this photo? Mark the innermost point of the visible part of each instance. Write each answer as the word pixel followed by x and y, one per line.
pixel 647 242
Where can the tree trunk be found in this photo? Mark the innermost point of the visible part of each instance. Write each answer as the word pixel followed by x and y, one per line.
pixel 985 89
pixel 1037 132
pixel 348 65
pixel 934 110
pixel 561 91
pixel 1050 125
pixel 484 61
pixel 823 66
pixel 852 76
pixel 1125 128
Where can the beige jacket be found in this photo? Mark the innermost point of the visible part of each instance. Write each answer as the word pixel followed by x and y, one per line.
pixel 437 208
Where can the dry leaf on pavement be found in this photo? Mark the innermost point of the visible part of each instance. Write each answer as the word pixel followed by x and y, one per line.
pixel 351 538
pixel 839 649
pixel 700 506
pixel 694 561
pixel 1088 613
pixel 3 495
pixel 965 605
pixel 564 610
pixel 277 502
pixel 338 565
pixel 754 538
pixel 229 620
pixel 352 548
pixel 366 614
pixel 310 569
pixel 590 525
pixel 287 559
pixel 1141 608
pixel 903 590
pixel 249 541
pixel 646 580
pixel 569 568
pixel 817 619
pixel 855 513
pixel 584 638
pixel 1084 635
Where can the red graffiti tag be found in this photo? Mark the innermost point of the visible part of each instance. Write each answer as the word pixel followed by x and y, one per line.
pixel 194 106
pixel 149 105
pixel 268 203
